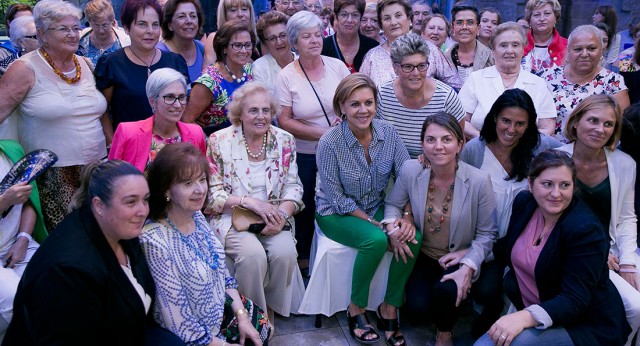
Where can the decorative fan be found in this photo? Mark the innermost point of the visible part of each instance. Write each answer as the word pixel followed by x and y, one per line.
pixel 28 168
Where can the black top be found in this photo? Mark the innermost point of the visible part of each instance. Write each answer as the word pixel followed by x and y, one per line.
pixel 74 292
pixel 598 198
pixel 571 273
pixel 129 101
pixel 632 81
pixel 330 48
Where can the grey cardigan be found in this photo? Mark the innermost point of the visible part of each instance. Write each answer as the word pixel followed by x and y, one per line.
pixel 473 151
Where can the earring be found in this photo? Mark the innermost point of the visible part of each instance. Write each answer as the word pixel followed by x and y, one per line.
pixel 168 199
pixel 23 49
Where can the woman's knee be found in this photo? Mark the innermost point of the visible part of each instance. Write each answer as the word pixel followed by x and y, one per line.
pixel 377 243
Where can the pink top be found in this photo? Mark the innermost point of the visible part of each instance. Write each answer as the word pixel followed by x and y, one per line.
pixel 524 257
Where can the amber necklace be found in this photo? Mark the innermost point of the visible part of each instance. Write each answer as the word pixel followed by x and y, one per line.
pixel 434 228
pixel 60 73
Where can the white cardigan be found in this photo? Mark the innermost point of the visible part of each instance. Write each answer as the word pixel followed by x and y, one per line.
pixel 623 223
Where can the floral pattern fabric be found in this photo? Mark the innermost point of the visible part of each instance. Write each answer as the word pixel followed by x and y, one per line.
pixel 157 143
pixel 230 170
pixel 626 61
pixel 88 50
pixel 567 95
pixel 216 113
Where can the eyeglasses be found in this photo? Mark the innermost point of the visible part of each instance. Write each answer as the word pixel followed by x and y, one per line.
pixel 408 68
pixel 66 31
pixel 237 46
pixel 346 15
pixel 468 22
pixel 273 39
pixel 292 3
pixel 32 36
pixel 101 27
pixel 171 99
pixel 317 7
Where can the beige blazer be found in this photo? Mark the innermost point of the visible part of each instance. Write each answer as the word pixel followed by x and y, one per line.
pixel 473 208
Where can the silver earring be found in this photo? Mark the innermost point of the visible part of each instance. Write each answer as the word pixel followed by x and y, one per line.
pixel 168 199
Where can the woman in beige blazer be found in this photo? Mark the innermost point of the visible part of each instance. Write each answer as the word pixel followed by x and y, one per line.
pixel 454 206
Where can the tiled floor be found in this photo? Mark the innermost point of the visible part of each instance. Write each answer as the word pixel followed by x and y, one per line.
pixel 300 330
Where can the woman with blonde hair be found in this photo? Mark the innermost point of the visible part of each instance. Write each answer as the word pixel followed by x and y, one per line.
pixel 545 47
pixel 103 36
pixel 240 10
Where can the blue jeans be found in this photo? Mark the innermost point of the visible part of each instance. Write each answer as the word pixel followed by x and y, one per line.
pixel 555 336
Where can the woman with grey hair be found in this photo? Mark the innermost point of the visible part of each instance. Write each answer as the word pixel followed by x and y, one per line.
pixel 138 142
pixel 409 99
pixel 23 39
pixel 483 87
pixel 305 90
pixel 57 104
pixel 581 76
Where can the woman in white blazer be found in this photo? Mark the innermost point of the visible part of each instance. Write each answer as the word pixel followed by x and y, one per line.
pixel 606 178
pixel 454 206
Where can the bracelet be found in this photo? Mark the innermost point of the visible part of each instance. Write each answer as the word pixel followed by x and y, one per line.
pixel 396 229
pixel 369 219
pixel 24 235
pixel 625 270
pixel 242 200
pixel 284 214
pixel 407 213
pixel 241 312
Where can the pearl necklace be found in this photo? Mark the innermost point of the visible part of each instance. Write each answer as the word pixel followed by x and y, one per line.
pixel 264 145
pixel 235 79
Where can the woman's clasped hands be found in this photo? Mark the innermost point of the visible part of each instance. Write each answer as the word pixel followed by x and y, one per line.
pixel 401 232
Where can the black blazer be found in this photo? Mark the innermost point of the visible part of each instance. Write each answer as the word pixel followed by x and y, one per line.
pixel 571 274
pixel 74 292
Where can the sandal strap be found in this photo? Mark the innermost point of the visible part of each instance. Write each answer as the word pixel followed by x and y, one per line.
pixel 389 325
pixel 396 339
pixel 367 332
pixel 361 321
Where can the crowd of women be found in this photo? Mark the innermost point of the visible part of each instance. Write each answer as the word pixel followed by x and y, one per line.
pixel 491 159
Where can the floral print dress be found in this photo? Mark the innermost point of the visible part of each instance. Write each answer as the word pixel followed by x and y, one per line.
pixel 567 95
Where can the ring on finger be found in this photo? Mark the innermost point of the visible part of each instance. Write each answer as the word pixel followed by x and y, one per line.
pixel 503 337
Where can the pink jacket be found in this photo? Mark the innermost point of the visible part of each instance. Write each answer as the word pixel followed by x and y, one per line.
pixel 132 141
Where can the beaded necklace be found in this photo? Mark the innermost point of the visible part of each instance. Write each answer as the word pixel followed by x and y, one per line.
pixel 235 79
pixel 76 64
pixel 264 145
pixel 456 60
pixel 212 264
pixel 433 227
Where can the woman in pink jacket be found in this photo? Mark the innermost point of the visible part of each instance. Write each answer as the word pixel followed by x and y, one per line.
pixel 138 142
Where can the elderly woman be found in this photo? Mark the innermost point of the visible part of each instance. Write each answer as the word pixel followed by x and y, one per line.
pixel 436 29
pixel 20 230
pixel 15 10
pixel 23 39
pixel 212 92
pixel 122 75
pixel 348 44
pixel 55 97
pixel 582 76
pixel 454 208
pixel 239 10
pixel 483 87
pixel 369 25
pixel 103 36
pixel 272 33
pixel 139 142
pixel 179 234
pixel 468 54
pixel 182 22
pixel 395 19
pixel 355 162
pixel 99 288
pixel 555 252
pixel 490 18
pixel 606 181
pixel 253 163
pixel 545 47
pixel 412 97
pixel 305 91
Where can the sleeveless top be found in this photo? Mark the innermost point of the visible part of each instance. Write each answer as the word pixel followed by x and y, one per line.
pixel 62 117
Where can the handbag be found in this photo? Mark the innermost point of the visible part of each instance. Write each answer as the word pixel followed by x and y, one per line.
pixel 244 219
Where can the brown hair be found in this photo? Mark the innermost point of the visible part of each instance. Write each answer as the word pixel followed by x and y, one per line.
pixel 97 8
pixel 551 158
pixel 224 34
pixel 349 85
pixel 170 9
pixel 590 103
pixel 268 19
pixel 384 3
pixel 175 163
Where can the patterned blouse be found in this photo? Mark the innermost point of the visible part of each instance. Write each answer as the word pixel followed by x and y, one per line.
pixel 87 49
pixel 216 113
pixel 567 95
pixel 157 143
pixel 191 278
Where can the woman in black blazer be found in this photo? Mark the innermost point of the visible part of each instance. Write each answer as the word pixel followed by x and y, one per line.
pixel 89 284
pixel 557 275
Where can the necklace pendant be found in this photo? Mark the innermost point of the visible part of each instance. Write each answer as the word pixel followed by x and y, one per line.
pixel 438 229
pixel 432 231
pixel 148 71
pixel 101 51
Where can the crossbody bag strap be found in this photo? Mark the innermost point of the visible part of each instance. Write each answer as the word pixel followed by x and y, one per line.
pixel 314 91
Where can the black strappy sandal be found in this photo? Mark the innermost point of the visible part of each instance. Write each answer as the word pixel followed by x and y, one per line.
pixel 391 325
pixel 360 321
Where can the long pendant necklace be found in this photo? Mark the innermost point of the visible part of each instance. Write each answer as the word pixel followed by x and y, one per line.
pixel 264 145
pixel 211 262
pixel 49 61
pixel 233 76
pixel 435 228
pixel 102 48
pixel 155 51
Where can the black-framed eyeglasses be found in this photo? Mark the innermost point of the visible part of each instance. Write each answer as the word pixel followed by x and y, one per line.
pixel 171 99
pixel 273 39
pixel 346 15
pixel 408 68
pixel 237 46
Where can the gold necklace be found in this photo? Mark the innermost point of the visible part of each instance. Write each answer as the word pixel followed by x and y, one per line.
pixel 57 70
